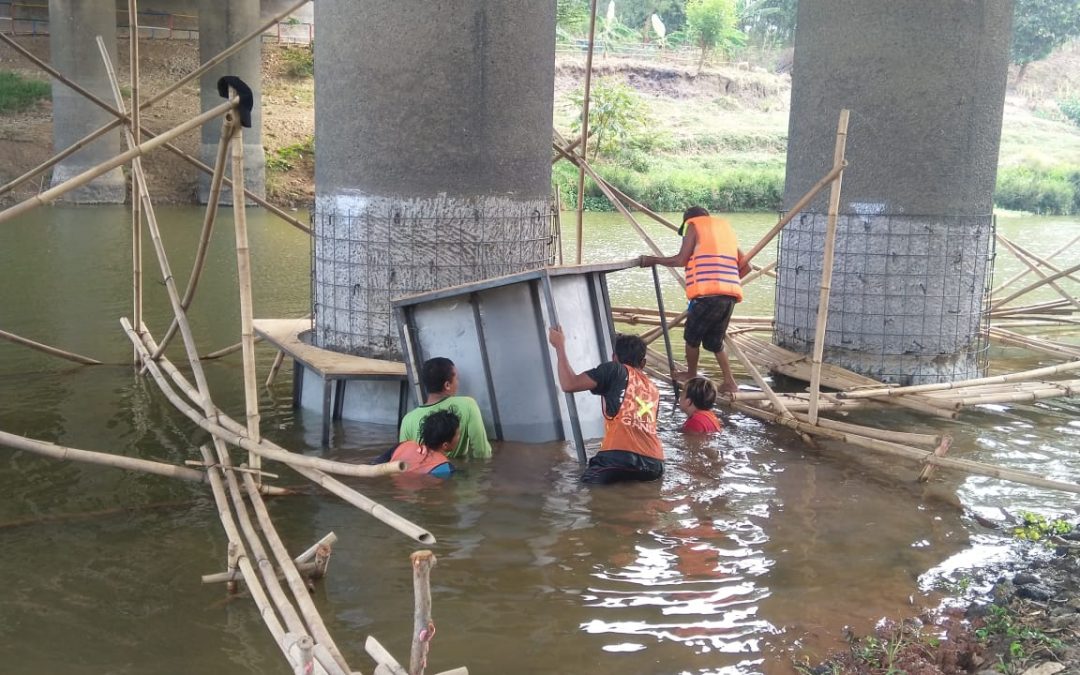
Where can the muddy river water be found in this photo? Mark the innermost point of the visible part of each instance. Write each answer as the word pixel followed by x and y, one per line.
pixel 751 551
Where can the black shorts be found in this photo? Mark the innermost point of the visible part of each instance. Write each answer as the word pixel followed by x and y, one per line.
pixel 614 466
pixel 708 321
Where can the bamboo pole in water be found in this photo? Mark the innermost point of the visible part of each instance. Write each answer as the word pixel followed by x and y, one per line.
pixel 46 349
pixel 1049 347
pixel 64 453
pixel 827 268
pixel 383 658
pixel 423 627
pixel 136 205
pixel 920 456
pixel 274 367
pixel 101 131
pixel 300 560
pixel 225 351
pixel 1022 376
pixel 1035 285
pixel 585 132
pixel 1023 274
pixel 872 432
pixel 227 129
pixel 243 273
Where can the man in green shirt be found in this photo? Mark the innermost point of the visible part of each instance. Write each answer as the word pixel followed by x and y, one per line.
pixel 440 379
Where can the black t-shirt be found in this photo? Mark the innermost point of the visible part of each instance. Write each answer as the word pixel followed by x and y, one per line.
pixel 611 379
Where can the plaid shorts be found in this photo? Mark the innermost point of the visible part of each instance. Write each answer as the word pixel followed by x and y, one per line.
pixel 708 321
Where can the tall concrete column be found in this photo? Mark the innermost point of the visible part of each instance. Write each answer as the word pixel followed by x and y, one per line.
pixel 221 24
pixel 433 133
pixel 925 83
pixel 73 28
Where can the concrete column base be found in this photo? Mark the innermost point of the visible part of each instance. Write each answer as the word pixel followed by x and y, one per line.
pixel 254 173
pixel 110 188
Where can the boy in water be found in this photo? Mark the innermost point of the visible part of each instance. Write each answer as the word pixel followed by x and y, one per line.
pixel 439 434
pixel 697 402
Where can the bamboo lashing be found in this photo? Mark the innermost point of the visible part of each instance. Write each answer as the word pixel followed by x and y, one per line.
pixel 585 132
pixel 818 350
pixel 46 349
pixel 423 627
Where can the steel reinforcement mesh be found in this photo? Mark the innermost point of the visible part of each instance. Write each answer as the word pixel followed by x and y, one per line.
pixel 909 294
pixel 362 260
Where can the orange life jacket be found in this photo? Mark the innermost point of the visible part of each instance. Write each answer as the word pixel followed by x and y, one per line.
pixel 418 458
pixel 713 268
pixel 633 428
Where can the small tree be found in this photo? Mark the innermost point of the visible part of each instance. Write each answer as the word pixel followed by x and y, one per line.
pixel 1040 27
pixel 712 24
pixel 616 115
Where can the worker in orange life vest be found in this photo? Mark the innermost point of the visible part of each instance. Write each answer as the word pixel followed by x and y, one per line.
pixel 439 433
pixel 630 449
pixel 714 265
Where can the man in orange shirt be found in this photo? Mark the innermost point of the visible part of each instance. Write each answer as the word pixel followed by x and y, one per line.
pixel 714 265
pixel 630 449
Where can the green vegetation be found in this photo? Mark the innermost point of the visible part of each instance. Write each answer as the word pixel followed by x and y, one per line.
pixel 1070 108
pixel 1032 188
pixel 1038 528
pixel 1040 26
pixel 286 158
pixel 711 23
pixel 1001 623
pixel 299 61
pixel 19 93
pixel 616 115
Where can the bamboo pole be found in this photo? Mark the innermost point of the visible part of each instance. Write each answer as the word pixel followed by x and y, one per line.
pixel 906 438
pixel 827 268
pixel 1023 257
pixel 136 204
pixel 920 456
pixel 585 132
pixel 243 273
pixel 218 428
pixel 274 367
pixel 227 129
pixel 423 626
pixel 90 174
pixel 101 131
pixel 46 349
pixel 794 211
pixel 558 222
pixel 383 657
pixel 1043 346
pixel 225 351
pixel 1023 274
pixel 1021 376
pixel 64 453
pixel 1038 284
pixel 300 560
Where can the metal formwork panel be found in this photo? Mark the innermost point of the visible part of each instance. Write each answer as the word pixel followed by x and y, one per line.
pixel 495 331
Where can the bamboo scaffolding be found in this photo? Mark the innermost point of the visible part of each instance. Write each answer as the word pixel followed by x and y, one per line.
pixel 906 438
pixel 302 560
pixel 585 132
pixel 944 386
pixel 1033 286
pixel 209 218
pixel 225 351
pixel 818 350
pixel 232 432
pixel 1047 347
pixel 423 627
pixel 914 454
pixel 46 349
pixel 243 273
pixel 1024 273
pixel 101 131
pixel 1050 307
pixel 1025 257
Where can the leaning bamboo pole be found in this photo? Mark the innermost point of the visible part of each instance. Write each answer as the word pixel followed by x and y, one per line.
pixel 90 174
pixel 243 273
pixel 209 218
pixel 585 132
pixel 1048 347
pixel 423 627
pixel 914 454
pixel 225 351
pixel 818 350
pixel 136 205
pixel 1035 285
pixel 279 358
pixel 46 349
pixel 1024 273
pixel 101 131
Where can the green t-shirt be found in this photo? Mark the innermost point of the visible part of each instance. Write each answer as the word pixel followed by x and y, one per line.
pixel 473 441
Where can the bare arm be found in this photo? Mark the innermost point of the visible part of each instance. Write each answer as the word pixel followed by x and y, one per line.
pixel 569 381
pixel 744 264
pixel 679 259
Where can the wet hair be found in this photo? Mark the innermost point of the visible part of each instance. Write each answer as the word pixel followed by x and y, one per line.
pixel 702 393
pixel 435 373
pixel 630 350
pixel 439 427
pixel 692 212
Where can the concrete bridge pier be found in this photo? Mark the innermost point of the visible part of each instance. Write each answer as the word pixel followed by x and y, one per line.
pixel 220 25
pixel 434 128
pixel 925 83
pixel 74 26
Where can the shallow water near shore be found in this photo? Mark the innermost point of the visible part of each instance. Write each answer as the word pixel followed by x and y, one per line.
pixel 751 550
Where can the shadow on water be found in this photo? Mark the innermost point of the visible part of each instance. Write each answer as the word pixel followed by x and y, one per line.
pixel 752 548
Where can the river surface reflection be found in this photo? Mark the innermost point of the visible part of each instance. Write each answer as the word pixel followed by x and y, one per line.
pixel 752 550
